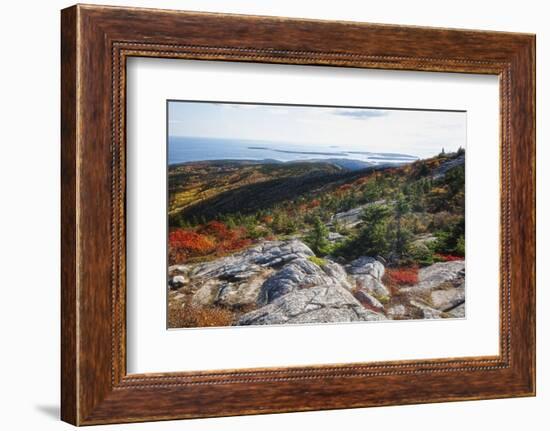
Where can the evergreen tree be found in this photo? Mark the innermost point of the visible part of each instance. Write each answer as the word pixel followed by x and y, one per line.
pixel 402 236
pixel 371 192
pixel 317 238
pixel 372 239
pixel 451 238
pixel 455 180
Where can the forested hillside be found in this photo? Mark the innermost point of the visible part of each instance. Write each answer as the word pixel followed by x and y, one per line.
pixel 403 218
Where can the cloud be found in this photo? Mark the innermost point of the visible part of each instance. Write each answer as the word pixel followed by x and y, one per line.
pixel 360 114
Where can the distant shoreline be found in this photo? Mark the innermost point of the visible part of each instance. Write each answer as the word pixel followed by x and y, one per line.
pixel 380 156
pixel 313 153
pixel 189 149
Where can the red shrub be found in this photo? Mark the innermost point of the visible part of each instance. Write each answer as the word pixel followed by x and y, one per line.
pixel 189 242
pixel 234 245
pixel 226 239
pixel 448 257
pixel 221 232
pixel 396 277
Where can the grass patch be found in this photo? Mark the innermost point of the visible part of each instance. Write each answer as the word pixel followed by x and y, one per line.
pixel 319 261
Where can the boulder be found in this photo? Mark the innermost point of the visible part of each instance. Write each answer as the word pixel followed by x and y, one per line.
pixel 367 273
pixel 299 274
pixel 249 262
pixel 366 265
pixel 372 285
pixel 440 289
pixel 442 284
pixel 226 268
pixel 240 295
pixel 235 293
pixel 434 276
pixel 447 299
pixel 427 311
pixel 235 281
pixel 319 304
pixel 276 253
pixel 207 294
pixel 367 300
pixel 352 217
pixel 337 272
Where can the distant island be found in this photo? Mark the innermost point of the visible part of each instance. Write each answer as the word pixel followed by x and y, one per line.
pixel 318 153
pixel 379 156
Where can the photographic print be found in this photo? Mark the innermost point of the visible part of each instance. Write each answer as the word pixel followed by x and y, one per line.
pixel 299 214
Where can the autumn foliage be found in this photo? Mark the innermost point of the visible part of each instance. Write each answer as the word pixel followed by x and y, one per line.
pixel 212 238
pixel 183 243
pixel 217 229
pixel 397 277
pixel 447 257
pixel 191 242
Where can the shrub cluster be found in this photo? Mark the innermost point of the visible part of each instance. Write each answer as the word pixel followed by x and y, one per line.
pixel 394 278
pixel 212 238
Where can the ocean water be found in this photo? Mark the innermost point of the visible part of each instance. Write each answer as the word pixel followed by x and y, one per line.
pixel 192 149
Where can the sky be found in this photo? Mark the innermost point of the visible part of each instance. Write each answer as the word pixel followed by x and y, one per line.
pixel 419 133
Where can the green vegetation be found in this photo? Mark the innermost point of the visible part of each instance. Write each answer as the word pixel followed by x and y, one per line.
pixel 319 261
pixel 411 215
pixel 374 237
pixel 451 238
pixel 317 238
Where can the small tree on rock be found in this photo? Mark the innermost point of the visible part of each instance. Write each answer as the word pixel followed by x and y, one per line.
pixel 373 237
pixel 317 238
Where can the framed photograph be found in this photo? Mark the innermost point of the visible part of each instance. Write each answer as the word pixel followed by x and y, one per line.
pixel 324 214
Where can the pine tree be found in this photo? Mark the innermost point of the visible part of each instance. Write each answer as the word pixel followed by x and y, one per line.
pixel 402 236
pixel 373 237
pixel 317 238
